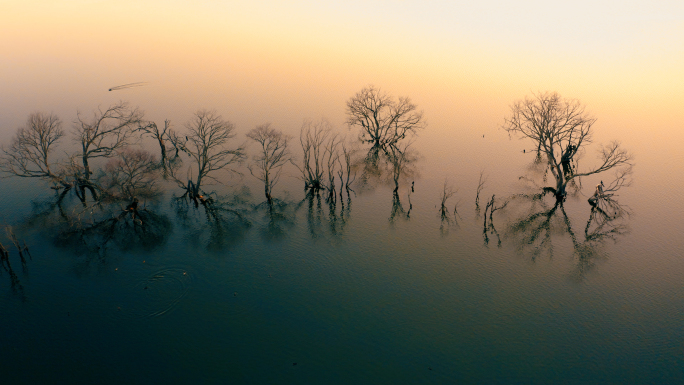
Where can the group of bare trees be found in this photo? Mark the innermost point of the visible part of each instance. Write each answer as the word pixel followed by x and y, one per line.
pixel 108 164
pixel 126 170
pixel 326 156
pixel 105 135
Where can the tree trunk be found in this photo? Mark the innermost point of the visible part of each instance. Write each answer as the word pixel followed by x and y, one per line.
pixel 86 167
pixel 267 187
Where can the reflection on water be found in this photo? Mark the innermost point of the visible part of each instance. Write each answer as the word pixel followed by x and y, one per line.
pixel 535 225
pixel 217 223
pixel 398 211
pixel 278 217
pixel 402 288
pixel 93 230
pixel 157 294
pixel 320 224
pixel 22 252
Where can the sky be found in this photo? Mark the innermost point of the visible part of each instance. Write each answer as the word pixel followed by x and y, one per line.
pixel 464 63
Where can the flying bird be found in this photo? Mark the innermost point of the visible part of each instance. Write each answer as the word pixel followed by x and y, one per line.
pixel 129 85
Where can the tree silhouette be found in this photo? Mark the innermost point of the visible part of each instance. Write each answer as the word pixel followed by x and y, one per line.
pixel 560 129
pixel 273 155
pixel 384 121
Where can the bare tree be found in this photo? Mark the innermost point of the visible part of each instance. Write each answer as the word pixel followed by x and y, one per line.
pixel 347 167
pixel 132 174
pixel 206 145
pixel 164 136
pixel 488 228
pixel 480 185
pixel 401 160
pixel 29 153
pixel 447 192
pixel 107 132
pixel 560 128
pixel 273 155
pixel 384 121
pixel 313 137
pixel 332 159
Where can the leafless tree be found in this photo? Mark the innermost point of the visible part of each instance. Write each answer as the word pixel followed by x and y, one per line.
pixel 480 185
pixel 273 155
pixel 347 167
pixel 331 156
pixel 488 227
pixel 29 153
pixel 131 174
pixel 313 137
pixel 560 128
pixel 384 121
pixel 108 131
pixel 168 141
pixel 401 159
pixel 207 146
pixel 447 192
pixel 107 134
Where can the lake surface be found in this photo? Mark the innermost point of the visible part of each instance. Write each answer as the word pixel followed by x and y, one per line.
pixel 362 291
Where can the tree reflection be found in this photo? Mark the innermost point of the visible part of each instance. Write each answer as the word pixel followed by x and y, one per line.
pixel 23 252
pixel 278 217
pixel 392 166
pixel 447 219
pixel 398 211
pixel 92 231
pixel 321 223
pixel 226 219
pixel 541 225
pixel 488 227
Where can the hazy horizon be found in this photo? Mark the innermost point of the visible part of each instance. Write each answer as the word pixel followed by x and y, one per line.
pixel 282 62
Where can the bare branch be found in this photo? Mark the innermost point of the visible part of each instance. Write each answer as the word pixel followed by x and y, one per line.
pixel 313 137
pixel 206 145
pixel 274 154
pixel 29 153
pixel 383 121
pixel 107 132
pixel 560 128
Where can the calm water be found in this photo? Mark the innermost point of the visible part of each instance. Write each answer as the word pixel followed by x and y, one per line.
pixel 362 292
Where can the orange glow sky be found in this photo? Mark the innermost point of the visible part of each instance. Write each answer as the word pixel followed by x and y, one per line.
pixel 281 62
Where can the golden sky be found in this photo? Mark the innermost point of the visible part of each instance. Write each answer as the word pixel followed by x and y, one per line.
pixel 283 61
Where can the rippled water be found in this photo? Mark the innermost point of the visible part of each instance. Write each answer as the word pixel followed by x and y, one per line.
pixel 365 291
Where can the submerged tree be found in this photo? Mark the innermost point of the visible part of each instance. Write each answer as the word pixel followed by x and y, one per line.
pixel 559 129
pixel 332 161
pixel 131 174
pixel 347 169
pixel 164 136
pixel 480 185
pixel 107 132
pixel 106 135
pixel 402 161
pixel 274 154
pixel 384 121
pixel 207 146
pixel 29 154
pixel 313 138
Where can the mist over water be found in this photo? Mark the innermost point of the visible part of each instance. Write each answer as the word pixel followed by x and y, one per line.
pixel 375 286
